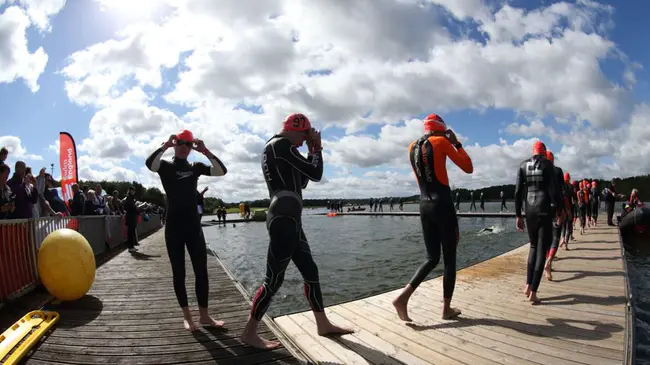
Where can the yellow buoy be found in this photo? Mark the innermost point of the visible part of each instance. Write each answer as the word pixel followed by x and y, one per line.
pixel 66 264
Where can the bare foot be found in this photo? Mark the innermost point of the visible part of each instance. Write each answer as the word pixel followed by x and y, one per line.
pixel 533 299
pixel 401 309
pixel 527 290
pixel 450 313
pixel 333 330
pixel 209 321
pixel 254 340
pixel 547 272
pixel 190 325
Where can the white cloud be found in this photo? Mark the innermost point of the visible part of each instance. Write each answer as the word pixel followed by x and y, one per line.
pixel 16 149
pixel 382 63
pixel 16 62
pixel 40 11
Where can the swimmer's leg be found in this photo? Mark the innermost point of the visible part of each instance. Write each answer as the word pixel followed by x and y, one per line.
pixel 432 242
pixel 284 238
pixel 196 247
pixel 449 242
pixel 176 252
pixel 304 261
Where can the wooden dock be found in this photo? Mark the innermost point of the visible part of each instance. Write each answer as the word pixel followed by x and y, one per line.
pixel 460 214
pixel 131 316
pixel 582 318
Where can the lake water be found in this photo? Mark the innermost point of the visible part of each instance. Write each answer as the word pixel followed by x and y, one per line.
pixel 357 256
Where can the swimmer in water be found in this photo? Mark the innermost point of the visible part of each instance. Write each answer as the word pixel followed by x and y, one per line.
pixel 536 186
pixel 557 226
pixel 428 156
pixel 488 229
pixel 183 229
pixel 287 172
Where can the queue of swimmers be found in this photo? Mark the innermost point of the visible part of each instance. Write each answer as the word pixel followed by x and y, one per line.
pixel 543 192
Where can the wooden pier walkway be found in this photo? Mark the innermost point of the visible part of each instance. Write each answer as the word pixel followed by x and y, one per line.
pixel 407 214
pixel 581 320
pixel 131 316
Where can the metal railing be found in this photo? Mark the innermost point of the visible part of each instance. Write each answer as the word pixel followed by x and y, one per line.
pixel 20 240
pixel 630 314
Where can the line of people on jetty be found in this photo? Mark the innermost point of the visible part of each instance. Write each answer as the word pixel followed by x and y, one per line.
pixel 543 192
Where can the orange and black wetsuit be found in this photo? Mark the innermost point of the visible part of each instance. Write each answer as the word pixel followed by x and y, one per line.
pixel 428 157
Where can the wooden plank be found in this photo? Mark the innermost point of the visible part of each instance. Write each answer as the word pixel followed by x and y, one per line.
pixel 581 319
pixel 131 316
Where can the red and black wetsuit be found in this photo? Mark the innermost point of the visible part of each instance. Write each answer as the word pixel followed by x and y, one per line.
pixel 179 179
pixel 537 186
pixel 557 228
pixel 428 156
pixel 286 173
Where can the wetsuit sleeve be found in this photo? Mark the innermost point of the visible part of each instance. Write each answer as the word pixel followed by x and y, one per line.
pixel 313 169
pixel 519 190
pixel 460 158
pixel 155 162
pixel 217 168
pixel 304 179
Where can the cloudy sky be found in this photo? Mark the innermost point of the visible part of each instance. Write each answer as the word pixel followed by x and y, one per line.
pixel 122 75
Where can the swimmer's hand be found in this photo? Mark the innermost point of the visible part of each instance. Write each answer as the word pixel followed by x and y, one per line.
pixel 520 224
pixel 315 140
pixel 451 137
pixel 170 142
pixel 200 146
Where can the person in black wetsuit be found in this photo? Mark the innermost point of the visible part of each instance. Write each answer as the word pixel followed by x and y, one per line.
pixel 287 173
pixel 569 212
pixel 457 206
pixel 503 202
pixel 183 229
pixel 428 156
pixel 610 202
pixel 536 185
pixel 557 225
pixel 473 201
pixel 482 201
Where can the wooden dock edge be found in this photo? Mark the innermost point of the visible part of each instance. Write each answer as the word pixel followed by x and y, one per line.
pixel 630 314
pixel 288 343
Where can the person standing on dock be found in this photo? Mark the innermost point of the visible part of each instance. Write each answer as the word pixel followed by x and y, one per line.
pixel 457 201
pixel 372 202
pixel 401 205
pixel 381 205
pixel 610 202
pixel 557 225
pixel 569 204
pixel 179 179
pixel 536 185
pixel 428 157
pixel 503 202
pixel 482 202
pixel 287 173
pixel 390 204
pixel 473 200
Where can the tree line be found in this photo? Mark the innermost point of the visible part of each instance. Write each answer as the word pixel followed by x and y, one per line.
pixel 491 193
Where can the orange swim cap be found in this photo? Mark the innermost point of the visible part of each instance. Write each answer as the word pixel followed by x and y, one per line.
pixel 549 156
pixel 185 135
pixel 296 122
pixel 567 177
pixel 539 148
pixel 433 123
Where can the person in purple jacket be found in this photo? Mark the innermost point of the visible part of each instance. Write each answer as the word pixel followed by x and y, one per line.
pixel 25 196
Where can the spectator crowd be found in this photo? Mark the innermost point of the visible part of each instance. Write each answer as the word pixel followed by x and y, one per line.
pixel 27 196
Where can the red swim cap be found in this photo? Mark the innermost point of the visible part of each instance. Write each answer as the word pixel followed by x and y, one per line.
pixel 539 148
pixel 549 155
pixel 433 123
pixel 593 183
pixel 567 177
pixel 185 135
pixel 296 122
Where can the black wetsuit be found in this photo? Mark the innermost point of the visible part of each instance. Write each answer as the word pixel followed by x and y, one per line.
pixel 610 201
pixel 473 200
pixel 286 173
pixel 503 203
pixel 437 215
pixel 594 201
pixel 536 185
pixel 457 201
pixel 183 228
pixel 557 228
pixel 483 202
pixel 569 202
